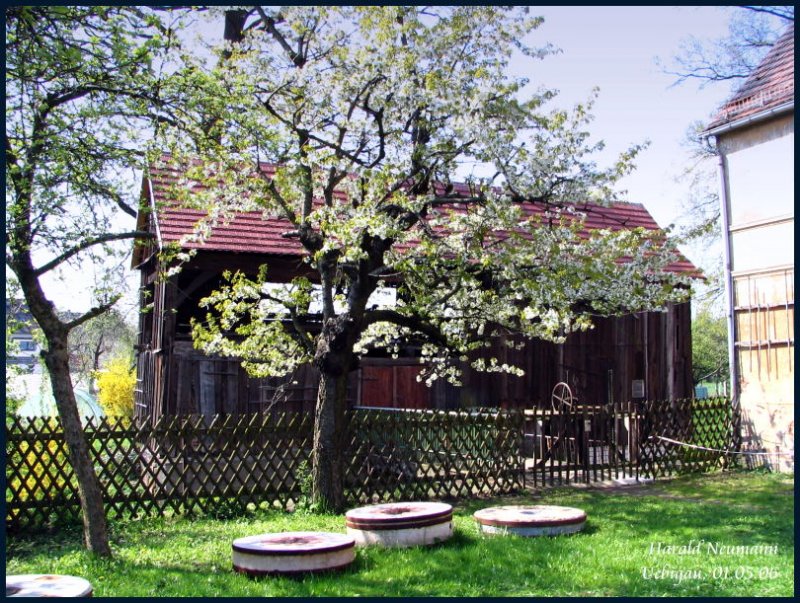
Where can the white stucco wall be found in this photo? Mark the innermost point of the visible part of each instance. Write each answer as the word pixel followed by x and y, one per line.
pixel 760 170
pixel 761 177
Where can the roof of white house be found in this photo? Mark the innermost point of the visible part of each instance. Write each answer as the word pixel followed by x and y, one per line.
pixel 768 88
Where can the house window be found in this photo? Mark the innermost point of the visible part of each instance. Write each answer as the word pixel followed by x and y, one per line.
pixel 27 345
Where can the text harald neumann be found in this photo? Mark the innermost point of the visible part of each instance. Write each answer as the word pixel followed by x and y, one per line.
pixel 698 547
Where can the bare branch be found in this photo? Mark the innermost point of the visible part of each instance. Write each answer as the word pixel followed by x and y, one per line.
pixel 107 238
pixel 733 57
pixel 782 12
pixel 96 311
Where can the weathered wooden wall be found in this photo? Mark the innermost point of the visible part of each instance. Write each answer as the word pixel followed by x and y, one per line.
pixel 600 365
pixel 764 354
pixel 199 384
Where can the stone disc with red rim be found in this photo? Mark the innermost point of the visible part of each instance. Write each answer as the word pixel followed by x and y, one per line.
pixel 47 585
pixel 535 520
pixel 398 516
pixel 293 543
pixel 292 552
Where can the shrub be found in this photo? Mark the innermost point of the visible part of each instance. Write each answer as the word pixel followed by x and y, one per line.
pixel 115 384
pixel 37 467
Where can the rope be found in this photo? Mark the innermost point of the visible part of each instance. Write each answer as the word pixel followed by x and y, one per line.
pixel 746 452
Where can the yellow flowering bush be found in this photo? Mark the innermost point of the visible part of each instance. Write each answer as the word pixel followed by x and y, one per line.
pixel 115 384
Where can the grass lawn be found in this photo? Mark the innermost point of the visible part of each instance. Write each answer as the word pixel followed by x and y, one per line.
pixel 714 535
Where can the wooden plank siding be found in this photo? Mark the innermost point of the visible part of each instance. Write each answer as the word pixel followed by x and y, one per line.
pixel 597 373
pixel 600 365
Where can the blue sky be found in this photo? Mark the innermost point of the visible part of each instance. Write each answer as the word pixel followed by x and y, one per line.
pixel 614 48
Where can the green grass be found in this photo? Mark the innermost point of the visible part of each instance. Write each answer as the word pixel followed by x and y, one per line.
pixel 616 555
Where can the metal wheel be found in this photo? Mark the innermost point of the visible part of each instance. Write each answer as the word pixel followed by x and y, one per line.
pixel 562 398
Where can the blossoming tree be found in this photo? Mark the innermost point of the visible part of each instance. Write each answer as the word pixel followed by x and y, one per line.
pixel 371 115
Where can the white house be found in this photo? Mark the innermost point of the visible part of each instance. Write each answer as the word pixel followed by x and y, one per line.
pixel 25 349
pixel 754 133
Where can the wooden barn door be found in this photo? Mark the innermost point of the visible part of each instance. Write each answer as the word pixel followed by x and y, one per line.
pixel 393 386
pixel 218 387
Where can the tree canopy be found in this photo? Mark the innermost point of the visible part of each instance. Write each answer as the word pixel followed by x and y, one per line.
pixel 401 155
pixel 368 115
pixel 96 342
pixel 81 87
pixel 709 347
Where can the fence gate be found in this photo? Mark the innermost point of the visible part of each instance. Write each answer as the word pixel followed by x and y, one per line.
pixel 582 443
pixel 586 443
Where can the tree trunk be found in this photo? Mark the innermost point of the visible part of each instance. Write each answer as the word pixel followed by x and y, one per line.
pixel 327 485
pixel 56 358
pixel 95 529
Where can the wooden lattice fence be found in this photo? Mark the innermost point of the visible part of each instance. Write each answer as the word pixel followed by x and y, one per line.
pixel 222 464
pixel 686 436
pixel 176 465
pixel 588 443
pixel 405 455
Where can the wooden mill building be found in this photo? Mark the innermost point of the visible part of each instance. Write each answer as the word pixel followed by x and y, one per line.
pixel 640 356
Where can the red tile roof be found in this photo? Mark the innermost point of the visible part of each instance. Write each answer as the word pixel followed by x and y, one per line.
pixel 770 85
pixel 251 232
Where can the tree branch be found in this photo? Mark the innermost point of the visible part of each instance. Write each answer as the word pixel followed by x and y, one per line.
pixel 287 210
pixel 300 333
pixel 269 27
pixel 96 311
pixel 11 157
pixel 107 238
pixel 413 323
pixel 782 12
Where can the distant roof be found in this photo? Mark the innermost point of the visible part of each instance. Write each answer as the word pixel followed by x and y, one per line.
pixel 252 233
pixel 17 310
pixel 41 403
pixel 769 86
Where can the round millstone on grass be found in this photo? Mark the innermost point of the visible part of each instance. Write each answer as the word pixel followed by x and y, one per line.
pixel 292 553
pixel 536 520
pixel 47 585
pixel 400 524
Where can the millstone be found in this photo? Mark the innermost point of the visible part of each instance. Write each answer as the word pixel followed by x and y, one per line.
pixel 536 520
pixel 292 553
pixel 47 585
pixel 400 524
